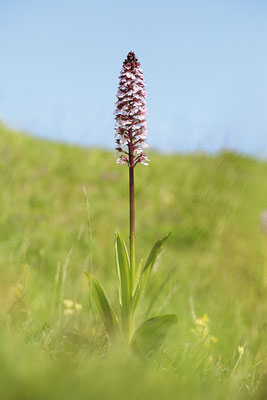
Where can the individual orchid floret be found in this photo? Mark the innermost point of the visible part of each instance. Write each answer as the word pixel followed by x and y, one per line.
pixel 130 114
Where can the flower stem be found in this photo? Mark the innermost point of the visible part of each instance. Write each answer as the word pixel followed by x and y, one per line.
pixel 132 226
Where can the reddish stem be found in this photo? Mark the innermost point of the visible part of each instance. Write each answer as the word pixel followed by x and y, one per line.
pixel 132 213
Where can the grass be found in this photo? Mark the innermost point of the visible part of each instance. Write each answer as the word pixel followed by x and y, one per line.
pixel 215 263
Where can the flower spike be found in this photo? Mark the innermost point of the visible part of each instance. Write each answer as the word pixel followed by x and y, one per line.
pixel 130 114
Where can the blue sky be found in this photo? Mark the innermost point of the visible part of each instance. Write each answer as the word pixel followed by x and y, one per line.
pixel 204 62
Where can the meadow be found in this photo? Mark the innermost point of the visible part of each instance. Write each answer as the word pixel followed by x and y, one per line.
pixel 212 273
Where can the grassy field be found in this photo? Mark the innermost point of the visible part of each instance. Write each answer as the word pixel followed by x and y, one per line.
pixel 212 273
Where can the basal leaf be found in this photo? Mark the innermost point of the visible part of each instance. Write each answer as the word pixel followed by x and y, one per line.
pixel 103 304
pixel 137 274
pixel 151 333
pixel 156 249
pixel 140 287
pixel 123 272
pixel 136 297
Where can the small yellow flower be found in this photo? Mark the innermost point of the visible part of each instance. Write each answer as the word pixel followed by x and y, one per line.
pixel 241 350
pixel 202 331
pixel 68 311
pixel 78 306
pixel 203 320
pixel 68 303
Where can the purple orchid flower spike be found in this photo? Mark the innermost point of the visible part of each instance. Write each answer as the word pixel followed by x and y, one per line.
pixel 130 114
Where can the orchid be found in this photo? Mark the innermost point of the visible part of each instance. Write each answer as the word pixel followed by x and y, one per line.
pixel 131 135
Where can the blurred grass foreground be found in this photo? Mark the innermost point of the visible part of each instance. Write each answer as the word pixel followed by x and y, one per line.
pixel 213 273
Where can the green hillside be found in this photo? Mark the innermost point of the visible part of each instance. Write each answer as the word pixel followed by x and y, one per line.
pixel 214 263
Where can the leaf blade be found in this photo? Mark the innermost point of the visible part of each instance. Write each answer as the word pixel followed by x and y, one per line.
pixel 123 273
pixel 154 253
pixel 144 275
pixel 103 304
pixel 150 335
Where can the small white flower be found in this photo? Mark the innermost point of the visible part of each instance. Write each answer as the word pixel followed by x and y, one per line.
pixel 144 145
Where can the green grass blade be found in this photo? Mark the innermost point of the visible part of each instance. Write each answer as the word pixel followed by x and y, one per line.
pixel 103 304
pixel 150 334
pixel 123 272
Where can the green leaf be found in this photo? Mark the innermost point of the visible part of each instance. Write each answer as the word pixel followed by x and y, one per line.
pixel 123 272
pixel 103 304
pixel 154 253
pixel 150 334
pixel 136 298
pixel 137 274
pixel 156 250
